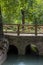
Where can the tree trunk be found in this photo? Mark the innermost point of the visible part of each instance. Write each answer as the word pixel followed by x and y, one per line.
pixel 1 25
pixel 23 19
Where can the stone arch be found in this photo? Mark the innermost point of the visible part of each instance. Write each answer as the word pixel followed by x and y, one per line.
pixel 31 51
pixel 40 47
pixel 12 50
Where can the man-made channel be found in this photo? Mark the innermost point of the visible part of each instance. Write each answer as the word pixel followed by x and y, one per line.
pixel 30 58
pixel 23 60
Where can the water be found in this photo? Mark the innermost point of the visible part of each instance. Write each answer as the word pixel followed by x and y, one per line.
pixel 23 60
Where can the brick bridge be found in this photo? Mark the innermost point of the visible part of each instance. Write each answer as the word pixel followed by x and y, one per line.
pixel 21 42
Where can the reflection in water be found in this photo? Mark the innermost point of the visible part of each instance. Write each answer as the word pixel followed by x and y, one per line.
pixel 21 63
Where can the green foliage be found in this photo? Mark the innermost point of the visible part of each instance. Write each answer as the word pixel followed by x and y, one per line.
pixel 11 11
pixel 33 47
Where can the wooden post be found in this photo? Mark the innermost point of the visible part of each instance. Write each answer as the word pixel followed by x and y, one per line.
pixel 18 32
pixel 6 29
pixel 35 27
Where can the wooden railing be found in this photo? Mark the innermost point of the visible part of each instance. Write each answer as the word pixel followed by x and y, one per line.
pixel 23 29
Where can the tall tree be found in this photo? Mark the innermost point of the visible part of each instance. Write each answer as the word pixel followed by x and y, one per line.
pixel 11 11
pixel 1 25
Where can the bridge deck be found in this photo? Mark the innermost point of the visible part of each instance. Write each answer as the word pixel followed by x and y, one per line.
pixel 14 34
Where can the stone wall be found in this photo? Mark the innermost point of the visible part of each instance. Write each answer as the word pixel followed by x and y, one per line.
pixel 22 41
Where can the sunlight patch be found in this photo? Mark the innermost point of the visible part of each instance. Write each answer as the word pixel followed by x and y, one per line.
pixel 21 63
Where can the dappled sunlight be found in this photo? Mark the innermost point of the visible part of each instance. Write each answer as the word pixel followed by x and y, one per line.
pixel 31 50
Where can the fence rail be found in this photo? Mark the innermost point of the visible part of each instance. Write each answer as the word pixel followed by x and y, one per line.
pixel 20 29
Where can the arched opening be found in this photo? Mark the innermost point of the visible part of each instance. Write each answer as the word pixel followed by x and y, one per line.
pixel 12 50
pixel 31 50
